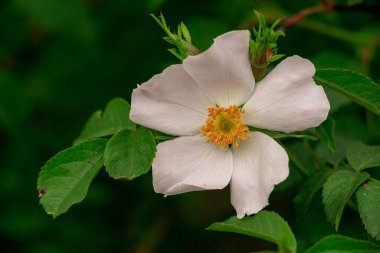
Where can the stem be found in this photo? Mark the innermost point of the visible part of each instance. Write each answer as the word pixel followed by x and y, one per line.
pixel 327 2
pixel 302 14
pixel 374 179
pixel 301 169
pixel 327 6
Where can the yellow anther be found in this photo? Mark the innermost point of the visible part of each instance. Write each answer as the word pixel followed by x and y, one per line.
pixel 225 126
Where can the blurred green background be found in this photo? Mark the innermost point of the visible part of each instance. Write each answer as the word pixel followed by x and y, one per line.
pixel 60 60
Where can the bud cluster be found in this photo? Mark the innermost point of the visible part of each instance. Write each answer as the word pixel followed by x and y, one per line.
pixel 263 46
pixel 181 39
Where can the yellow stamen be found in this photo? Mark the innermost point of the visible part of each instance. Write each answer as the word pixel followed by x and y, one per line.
pixel 225 126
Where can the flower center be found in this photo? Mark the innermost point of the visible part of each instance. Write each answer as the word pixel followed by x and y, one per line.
pixel 225 126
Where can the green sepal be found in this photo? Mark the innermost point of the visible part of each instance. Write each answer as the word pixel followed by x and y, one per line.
pixel 181 39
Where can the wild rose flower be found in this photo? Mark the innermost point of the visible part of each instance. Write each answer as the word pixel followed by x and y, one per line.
pixel 209 101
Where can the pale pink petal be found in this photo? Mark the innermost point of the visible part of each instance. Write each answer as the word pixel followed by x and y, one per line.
pixel 224 70
pixel 259 164
pixel 170 102
pixel 287 99
pixel 190 164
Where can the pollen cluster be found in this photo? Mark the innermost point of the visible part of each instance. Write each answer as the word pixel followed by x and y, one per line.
pixel 225 126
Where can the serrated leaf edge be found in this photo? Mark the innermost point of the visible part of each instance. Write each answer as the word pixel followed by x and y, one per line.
pixel 337 88
pixel 260 236
pixel 362 218
pixel 101 160
pixel 340 212
pixel 338 236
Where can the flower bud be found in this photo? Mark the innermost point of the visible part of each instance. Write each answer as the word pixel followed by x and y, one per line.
pixel 181 39
pixel 263 46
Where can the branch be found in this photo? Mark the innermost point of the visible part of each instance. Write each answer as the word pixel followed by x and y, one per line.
pixel 302 14
pixel 327 6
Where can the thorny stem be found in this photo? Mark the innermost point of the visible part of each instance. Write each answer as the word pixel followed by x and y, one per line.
pixel 327 2
pixel 327 6
pixel 366 47
pixel 302 14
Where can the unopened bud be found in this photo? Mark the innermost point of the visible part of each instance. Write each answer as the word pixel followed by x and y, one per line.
pixel 263 46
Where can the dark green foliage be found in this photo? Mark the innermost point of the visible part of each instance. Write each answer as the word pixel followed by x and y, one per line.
pixel 368 197
pixel 265 225
pixel 360 88
pixel 129 154
pixel 338 243
pixel 338 190
pixel 326 133
pixel 62 60
pixel 309 189
pixel 64 180
pixel 361 156
pixel 114 118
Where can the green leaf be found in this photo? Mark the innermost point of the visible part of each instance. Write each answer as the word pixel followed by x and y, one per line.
pixel 360 88
pixel 310 188
pixel 368 198
pixel 185 32
pixel 130 154
pixel 114 119
pixel 326 133
pixel 361 156
pixel 280 135
pixel 65 178
pixel 338 190
pixel 159 137
pixel 181 39
pixel 276 57
pixel 265 225
pixel 176 54
pixel 342 244
pixel 313 225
